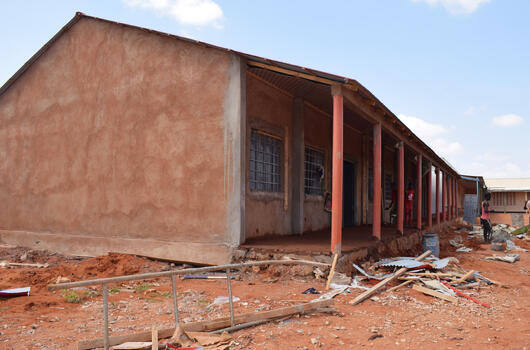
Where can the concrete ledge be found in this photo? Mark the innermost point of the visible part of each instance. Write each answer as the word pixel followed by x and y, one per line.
pixel 190 252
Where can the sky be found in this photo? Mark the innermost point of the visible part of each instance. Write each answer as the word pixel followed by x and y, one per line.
pixel 457 72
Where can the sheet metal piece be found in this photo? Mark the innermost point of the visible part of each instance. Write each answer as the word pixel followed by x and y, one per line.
pixel 379 278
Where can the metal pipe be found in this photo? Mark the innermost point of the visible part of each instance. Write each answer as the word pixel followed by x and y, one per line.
pixel 231 302
pixel 338 159
pixel 148 275
pixel 106 342
pixel 376 199
pixel 175 304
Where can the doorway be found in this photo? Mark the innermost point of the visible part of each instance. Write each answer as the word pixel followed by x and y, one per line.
pixel 348 194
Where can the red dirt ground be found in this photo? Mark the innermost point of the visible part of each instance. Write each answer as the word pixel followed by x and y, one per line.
pixel 404 319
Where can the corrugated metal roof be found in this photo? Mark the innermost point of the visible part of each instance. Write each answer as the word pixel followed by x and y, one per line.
pixel 296 70
pixel 508 185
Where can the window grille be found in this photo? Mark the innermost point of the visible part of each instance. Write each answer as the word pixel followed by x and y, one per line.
pixel 265 152
pixel 313 171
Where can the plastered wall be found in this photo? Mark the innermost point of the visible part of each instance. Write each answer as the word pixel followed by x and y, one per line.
pixel 118 133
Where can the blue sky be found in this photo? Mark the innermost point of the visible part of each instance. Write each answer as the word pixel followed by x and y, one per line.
pixel 457 72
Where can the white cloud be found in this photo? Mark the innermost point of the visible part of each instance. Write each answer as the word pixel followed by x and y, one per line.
pixel 456 7
pixel 508 120
pixel 187 12
pixel 492 169
pixel 432 134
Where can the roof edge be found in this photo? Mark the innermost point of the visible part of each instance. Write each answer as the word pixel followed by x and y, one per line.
pixel 40 52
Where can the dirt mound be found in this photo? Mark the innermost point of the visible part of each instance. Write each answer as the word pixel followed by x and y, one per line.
pixel 110 265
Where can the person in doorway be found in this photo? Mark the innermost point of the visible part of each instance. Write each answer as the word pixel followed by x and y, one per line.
pixel 485 217
pixel 527 206
pixel 393 205
pixel 409 204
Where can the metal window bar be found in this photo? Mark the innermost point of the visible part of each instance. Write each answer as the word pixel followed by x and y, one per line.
pixel 313 167
pixel 265 152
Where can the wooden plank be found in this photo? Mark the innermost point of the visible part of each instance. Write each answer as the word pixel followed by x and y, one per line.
pixel 400 285
pixel 465 277
pixel 332 270
pixel 154 338
pixel 381 284
pixel 208 325
pixel 434 293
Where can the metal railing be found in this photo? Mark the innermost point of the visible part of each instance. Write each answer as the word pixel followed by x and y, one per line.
pixel 172 274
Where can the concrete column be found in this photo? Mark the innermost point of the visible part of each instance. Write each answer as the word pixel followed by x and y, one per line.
pixel 429 198
pixel 401 188
pixel 419 183
pixel 338 159
pixel 297 167
pixel 376 208
pixel 235 120
pixel 444 197
pixel 437 196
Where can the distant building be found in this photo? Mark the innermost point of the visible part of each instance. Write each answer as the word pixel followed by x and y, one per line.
pixel 508 197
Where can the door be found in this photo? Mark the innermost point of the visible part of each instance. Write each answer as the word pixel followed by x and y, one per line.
pixel 348 195
pixel 470 208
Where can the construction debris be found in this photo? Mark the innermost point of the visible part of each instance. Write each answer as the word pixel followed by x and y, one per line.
pixel 509 258
pixel 15 292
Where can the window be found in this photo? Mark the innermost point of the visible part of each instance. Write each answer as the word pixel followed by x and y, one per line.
pixel 265 151
pixel 313 171
pixel 510 198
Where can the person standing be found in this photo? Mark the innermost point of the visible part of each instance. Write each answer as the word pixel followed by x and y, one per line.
pixel 485 217
pixel 409 204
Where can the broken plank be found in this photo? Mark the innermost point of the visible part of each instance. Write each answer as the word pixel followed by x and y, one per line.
pixel 381 284
pixel 400 285
pixel 434 293
pixel 208 325
pixel 466 276
pixel 332 270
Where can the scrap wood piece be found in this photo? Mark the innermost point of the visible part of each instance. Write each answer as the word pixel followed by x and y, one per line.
pixel 7 264
pixel 201 339
pixel 465 295
pixel 208 325
pixel 434 293
pixel 134 345
pixel 154 338
pixel 487 279
pixel 381 284
pixel 399 285
pixel 332 270
pixel 465 277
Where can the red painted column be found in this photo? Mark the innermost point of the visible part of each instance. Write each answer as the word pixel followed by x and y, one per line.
pixel 418 191
pixel 401 188
pixel 336 186
pixel 452 201
pixel 456 198
pixel 376 208
pixel 444 197
pixel 437 196
pixel 429 198
pixel 450 198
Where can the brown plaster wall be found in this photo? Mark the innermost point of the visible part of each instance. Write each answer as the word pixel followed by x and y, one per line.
pixel 268 110
pixel 119 133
